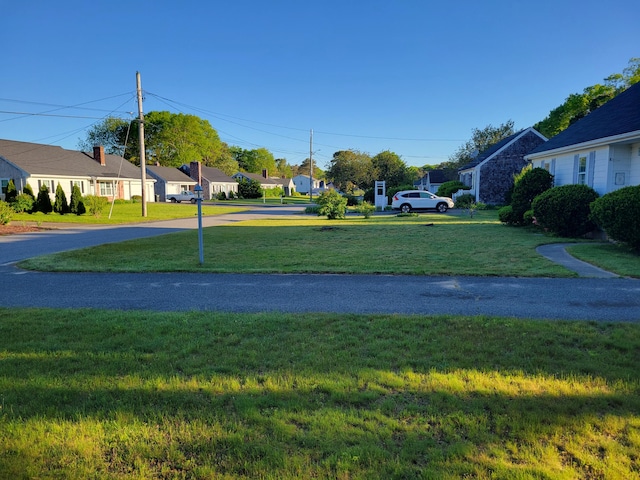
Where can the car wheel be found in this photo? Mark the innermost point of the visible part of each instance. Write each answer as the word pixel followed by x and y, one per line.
pixel 442 207
pixel 193 200
pixel 173 200
pixel 405 208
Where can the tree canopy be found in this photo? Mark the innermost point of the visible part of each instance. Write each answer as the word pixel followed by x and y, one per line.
pixel 481 139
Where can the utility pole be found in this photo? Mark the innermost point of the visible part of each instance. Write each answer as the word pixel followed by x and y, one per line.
pixel 311 165
pixel 143 161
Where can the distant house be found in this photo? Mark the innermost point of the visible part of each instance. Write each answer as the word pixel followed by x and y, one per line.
pixel 169 180
pixel 212 180
pixel 265 181
pixel 490 174
pixel 95 173
pixel 431 181
pixel 302 184
pixel 601 150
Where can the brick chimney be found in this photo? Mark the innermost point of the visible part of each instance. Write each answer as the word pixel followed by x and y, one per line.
pixel 195 171
pixel 98 155
pixel 265 174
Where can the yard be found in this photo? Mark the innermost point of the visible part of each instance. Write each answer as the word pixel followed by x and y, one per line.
pixel 113 394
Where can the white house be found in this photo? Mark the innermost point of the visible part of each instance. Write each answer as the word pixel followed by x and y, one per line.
pixel 601 150
pixel 302 184
pixel 95 173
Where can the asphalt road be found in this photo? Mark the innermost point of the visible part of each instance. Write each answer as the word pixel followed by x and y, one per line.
pixel 597 299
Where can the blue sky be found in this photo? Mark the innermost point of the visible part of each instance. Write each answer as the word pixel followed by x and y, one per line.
pixel 411 76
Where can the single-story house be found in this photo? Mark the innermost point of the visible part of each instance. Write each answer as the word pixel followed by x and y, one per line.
pixel 266 181
pixel 303 182
pixel 95 174
pixel 601 150
pixel 169 180
pixel 431 181
pixel 211 179
pixel 490 174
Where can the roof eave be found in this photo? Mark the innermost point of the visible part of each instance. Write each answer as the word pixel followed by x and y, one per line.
pixel 598 142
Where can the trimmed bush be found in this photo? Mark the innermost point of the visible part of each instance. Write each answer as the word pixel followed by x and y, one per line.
pixel 95 204
pixel 505 214
pixel 43 202
pixel 248 188
pixel 22 203
pixel 447 189
pixel 332 204
pixel 60 206
pixel 221 196
pixel 565 210
pixel 366 209
pixel 532 183
pixel 76 205
pixel 618 214
pixel 465 200
pixel 11 193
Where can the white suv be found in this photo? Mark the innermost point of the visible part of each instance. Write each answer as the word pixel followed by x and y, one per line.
pixel 408 200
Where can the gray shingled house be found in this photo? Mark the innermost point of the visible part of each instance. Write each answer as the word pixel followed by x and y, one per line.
pixel 95 173
pixel 212 180
pixel 601 150
pixel 169 180
pixel 490 174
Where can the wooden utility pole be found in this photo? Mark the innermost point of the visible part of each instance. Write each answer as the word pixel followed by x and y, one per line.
pixel 143 161
pixel 311 165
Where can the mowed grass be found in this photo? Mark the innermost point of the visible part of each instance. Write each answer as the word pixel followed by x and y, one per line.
pixel 123 213
pixel 110 395
pixel 430 244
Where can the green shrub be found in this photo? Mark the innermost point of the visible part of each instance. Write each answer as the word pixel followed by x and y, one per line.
pixel 60 206
pixel 528 218
pixel 6 213
pixel 76 204
pixel 43 202
pixel 332 204
pixel 505 214
pixel 23 203
pixel 312 209
pixel 232 195
pixel 248 188
pixel 447 189
pixel 95 204
pixel 136 198
pixel 565 210
pixel 618 214
pixel 366 209
pixel 11 193
pixel 465 200
pixel 531 184
pixel 221 196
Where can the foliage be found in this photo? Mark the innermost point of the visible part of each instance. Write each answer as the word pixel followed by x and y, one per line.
pixel 350 170
pixel 618 214
pixel 76 205
pixel 390 192
pixel 11 193
pixel 43 202
pixel 6 213
pixel 274 192
pixel 447 189
pixel 480 141
pixel 565 210
pixel 387 166
pixel 221 196
pixel 332 204
pixel 249 188
pixel 505 215
pixel 60 206
pixel 577 106
pixel 365 209
pixel 465 200
pixel 254 161
pixel 111 133
pixel 28 191
pixel 528 187
pixel 95 204
pixel 22 203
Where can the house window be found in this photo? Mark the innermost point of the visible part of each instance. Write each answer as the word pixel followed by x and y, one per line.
pixel 582 171
pixel 106 189
pixel 4 182
pixel 79 184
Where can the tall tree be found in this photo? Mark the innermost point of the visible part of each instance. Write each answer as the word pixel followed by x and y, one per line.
pixel 388 166
pixel 350 170
pixel 111 133
pixel 480 141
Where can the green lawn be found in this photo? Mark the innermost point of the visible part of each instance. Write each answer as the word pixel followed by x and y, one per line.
pixel 109 395
pixel 129 213
pixel 430 244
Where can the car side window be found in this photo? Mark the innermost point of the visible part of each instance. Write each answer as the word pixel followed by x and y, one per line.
pixel 413 195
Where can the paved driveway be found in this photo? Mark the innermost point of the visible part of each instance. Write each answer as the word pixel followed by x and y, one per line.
pixel 599 299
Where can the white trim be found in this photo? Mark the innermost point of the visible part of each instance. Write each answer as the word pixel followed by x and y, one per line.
pixel 598 142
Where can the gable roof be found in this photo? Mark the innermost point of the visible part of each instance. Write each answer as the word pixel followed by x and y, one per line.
pixel 169 174
pixel 260 179
pixel 496 147
pixel 38 159
pixel 216 175
pixel 618 116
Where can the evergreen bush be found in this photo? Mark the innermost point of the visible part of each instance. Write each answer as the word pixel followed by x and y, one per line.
pixel 565 210
pixel 248 188
pixel 76 205
pixel 465 200
pixel 11 193
pixel 43 202
pixel 23 203
pixel 6 213
pixel 505 214
pixel 531 184
pixel 618 214
pixel 60 206
pixel 221 196
pixel 447 189
pixel 27 190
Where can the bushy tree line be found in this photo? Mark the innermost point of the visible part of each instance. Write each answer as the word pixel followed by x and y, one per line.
pixel 26 202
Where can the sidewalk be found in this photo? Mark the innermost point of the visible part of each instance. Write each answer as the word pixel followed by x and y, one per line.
pixel 557 253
